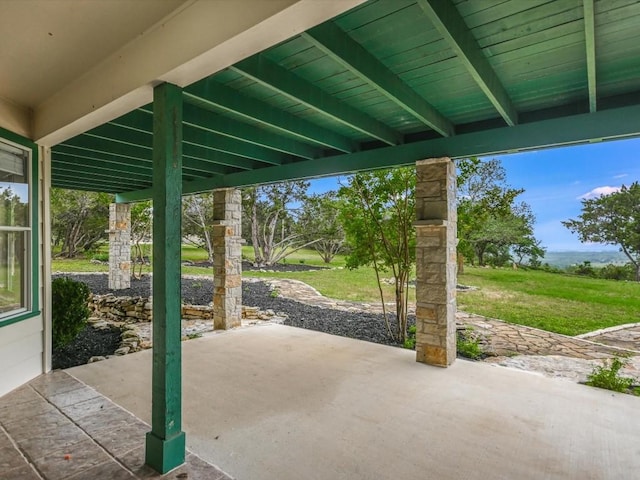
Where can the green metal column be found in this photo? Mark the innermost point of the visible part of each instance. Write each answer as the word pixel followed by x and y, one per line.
pixel 165 447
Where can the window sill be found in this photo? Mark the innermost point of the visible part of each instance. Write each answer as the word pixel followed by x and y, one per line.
pixel 19 317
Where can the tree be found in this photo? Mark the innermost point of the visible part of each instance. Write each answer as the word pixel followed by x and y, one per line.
pixel 377 212
pixel 141 224
pixel 78 220
pixel 489 220
pixel 612 219
pixel 197 221
pixel 319 224
pixel 530 248
pixel 271 212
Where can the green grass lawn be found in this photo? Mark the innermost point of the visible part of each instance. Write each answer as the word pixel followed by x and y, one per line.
pixel 559 303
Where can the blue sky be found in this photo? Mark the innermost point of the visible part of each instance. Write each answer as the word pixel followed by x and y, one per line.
pixel 556 179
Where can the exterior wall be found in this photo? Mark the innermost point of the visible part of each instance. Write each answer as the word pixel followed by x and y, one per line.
pixel 25 350
pixel 21 347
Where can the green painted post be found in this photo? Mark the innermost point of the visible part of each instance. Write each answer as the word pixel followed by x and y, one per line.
pixel 165 446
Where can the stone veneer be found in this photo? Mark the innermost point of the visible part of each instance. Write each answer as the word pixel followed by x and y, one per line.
pixel 119 246
pixel 436 274
pixel 227 258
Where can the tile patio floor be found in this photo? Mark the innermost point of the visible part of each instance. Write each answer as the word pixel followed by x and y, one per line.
pixel 56 427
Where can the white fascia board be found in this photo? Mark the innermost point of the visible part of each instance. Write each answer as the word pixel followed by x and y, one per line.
pixel 197 40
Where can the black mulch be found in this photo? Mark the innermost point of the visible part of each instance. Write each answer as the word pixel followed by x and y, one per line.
pixel 91 342
pixel 361 326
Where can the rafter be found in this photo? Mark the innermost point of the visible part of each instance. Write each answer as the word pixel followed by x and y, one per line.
pixel 123 171
pixel 110 161
pixel 87 174
pixel 211 95
pixel 281 80
pixel 222 143
pixel 206 119
pixel 589 34
pixel 333 41
pixel 106 140
pixel 445 17
pixel 222 149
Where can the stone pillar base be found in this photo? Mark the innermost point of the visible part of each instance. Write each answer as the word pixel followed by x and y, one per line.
pixel 436 271
pixel 119 246
pixel 227 259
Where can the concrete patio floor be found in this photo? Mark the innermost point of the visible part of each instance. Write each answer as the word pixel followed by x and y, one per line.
pixel 276 402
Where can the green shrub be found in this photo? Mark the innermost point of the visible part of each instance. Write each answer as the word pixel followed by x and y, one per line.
pixel 608 376
pixel 410 341
pixel 101 257
pixel 468 346
pixel 617 272
pixel 69 309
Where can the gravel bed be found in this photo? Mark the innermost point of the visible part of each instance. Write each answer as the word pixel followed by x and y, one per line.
pixel 199 291
pixel 278 267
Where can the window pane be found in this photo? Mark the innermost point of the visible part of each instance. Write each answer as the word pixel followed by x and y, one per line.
pixel 14 205
pixel 12 270
pixel 14 187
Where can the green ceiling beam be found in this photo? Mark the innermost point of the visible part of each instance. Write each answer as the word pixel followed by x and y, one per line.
pixel 333 41
pixel 221 143
pixel 64 164
pixel 113 178
pixel 134 196
pixel 281 80
pixel 220 158
pixel 589 34
pixel 602 125
pixel 83 187
pixel 97 185
pixel 85 157
pixel 445 17
pixel 194 116
pixel 207 120
pixel 214 96
pixel 91 142
pixel 195 162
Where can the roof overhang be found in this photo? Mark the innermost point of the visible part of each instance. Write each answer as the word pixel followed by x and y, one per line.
pixel 283 89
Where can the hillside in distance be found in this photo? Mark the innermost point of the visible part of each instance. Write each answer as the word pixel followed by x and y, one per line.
pixel 597 259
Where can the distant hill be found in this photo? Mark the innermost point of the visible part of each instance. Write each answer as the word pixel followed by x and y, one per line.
pixel 597 259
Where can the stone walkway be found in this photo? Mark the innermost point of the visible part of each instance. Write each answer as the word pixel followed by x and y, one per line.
pixel 511 345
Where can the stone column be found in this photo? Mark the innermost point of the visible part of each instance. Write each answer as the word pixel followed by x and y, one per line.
pixel 436 273
pixel 119 246
pixel 227 259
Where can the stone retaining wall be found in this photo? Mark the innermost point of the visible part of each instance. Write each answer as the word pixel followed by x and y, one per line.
pixel 139 309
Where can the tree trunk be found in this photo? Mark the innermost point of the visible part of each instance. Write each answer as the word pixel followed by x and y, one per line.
pixel 255 241
pixel 401 303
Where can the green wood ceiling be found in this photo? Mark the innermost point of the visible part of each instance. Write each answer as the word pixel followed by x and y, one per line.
pixel 389 83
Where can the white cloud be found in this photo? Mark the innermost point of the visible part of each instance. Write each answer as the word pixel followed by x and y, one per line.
pixel 622 175
pixel 598 191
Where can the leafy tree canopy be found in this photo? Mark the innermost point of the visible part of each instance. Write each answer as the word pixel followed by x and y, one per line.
pixel 612 219
pixel 490 221
pixel 377 213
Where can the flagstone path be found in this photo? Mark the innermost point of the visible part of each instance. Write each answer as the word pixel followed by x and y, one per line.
pixel 511 345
